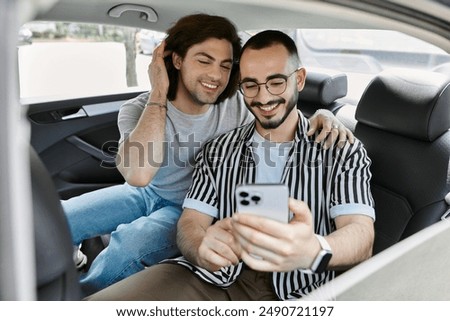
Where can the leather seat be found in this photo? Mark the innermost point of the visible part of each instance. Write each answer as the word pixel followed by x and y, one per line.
pixel 57 278
pixel 321 92
pixel 403 119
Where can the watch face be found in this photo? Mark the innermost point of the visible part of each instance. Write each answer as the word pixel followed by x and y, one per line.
pixel 322 260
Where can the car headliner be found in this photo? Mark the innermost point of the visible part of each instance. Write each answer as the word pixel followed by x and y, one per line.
pixel 425 19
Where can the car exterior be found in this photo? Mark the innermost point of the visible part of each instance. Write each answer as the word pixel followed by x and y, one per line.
pixel 25 36
pixel 147 40
pixel 42 29
pixel 74 79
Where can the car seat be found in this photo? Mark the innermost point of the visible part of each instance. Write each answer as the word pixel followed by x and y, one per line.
pixel 321 91
pixel 57 278
pixel 403 119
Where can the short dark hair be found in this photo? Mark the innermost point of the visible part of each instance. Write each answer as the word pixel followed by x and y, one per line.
pixel 269 38
pixel 194 29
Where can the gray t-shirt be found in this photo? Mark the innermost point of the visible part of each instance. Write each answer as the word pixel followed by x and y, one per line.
pixel 184 136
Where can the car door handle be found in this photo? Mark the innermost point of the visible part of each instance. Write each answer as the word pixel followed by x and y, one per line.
pixel 54 116
pixel 80 113
pixel 107 159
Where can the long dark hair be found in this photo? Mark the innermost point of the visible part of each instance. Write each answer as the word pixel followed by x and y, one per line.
pixel 193 29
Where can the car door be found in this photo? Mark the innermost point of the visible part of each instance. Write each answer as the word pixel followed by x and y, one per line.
pixel 73 80
pixel 77 141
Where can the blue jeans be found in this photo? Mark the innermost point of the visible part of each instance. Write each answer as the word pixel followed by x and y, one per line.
pixel 142 227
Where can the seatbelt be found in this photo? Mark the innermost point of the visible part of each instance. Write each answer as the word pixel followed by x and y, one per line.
pixel 447 212
pixel 446 215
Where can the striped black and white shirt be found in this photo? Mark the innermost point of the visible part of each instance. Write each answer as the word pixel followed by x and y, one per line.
pixel 332 182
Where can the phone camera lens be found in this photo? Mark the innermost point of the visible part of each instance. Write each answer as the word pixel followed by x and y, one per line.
pixel 256 198
pixel 243 194
pixel 245 202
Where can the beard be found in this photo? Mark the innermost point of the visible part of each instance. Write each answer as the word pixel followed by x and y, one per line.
pixel 272 123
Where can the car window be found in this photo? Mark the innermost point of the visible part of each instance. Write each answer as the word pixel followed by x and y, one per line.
pixel 361 54
pixel 59 60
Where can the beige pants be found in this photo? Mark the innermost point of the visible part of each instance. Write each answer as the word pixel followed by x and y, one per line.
pixel 171 282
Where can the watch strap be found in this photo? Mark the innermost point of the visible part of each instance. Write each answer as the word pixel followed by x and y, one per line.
pixel 323 243
pixel 323 257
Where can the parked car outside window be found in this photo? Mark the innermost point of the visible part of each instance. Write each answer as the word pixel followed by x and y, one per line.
pixel 147 40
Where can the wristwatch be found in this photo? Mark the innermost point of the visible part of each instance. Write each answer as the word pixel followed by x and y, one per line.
pixel 322 259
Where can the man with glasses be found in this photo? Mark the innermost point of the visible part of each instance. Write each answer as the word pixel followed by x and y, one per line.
pixel 275 84
pixel 237 256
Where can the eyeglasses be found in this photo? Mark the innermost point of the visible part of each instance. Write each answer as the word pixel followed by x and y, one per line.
pixel 275 86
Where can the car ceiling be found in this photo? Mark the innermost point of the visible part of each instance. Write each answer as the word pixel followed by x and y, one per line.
pixel 425 19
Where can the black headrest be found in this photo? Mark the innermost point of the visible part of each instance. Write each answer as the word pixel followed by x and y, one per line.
pixel 322 88
pixel 407 102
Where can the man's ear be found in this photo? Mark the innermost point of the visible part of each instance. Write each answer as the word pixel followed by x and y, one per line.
pixel 301 78
pixel 177 60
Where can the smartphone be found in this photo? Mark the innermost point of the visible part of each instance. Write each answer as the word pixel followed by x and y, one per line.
pixel 267 200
